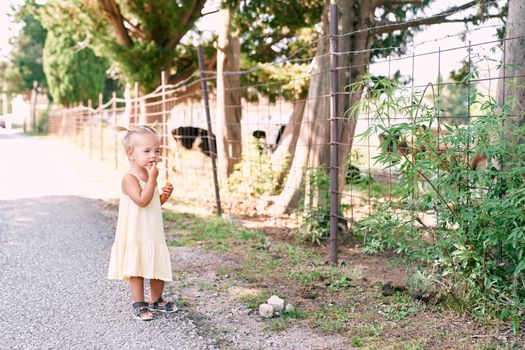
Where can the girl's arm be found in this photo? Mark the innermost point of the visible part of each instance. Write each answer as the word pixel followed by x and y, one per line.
pixel 131 187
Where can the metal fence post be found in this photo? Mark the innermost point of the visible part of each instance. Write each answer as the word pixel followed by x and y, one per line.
pixel 211 137
pixel 334 169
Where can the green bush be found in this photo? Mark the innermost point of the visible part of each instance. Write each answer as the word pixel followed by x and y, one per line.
pixel 475 249
pixel 253 175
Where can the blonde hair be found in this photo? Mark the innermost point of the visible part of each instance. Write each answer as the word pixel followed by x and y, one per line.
pixel 130 138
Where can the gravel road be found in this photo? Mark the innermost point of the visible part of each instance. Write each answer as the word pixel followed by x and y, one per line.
pixel 54 248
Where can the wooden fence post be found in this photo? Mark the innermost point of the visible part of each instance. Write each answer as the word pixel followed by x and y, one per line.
pixel 136 104
pixel 90 106
pixel 101 126
pixel 114 115
pixel 164 139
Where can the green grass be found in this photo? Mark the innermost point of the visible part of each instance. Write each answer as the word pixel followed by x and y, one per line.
pixel 253 300
pixel 352 305
pixel 284 321
pixel 398 306
pixel 332 319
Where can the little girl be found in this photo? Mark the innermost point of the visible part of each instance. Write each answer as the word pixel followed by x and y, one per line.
pixel 140 249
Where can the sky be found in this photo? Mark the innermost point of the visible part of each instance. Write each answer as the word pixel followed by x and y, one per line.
pixel 423 68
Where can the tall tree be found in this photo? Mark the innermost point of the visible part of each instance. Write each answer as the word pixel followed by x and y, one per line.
pixel 228 116
pixel 142 38
pixel 365 24
pixel 75 74
pixel 510 92
pixel 25 65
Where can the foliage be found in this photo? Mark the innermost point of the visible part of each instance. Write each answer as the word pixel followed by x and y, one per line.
pixel 25 64
pixel 74 74
pixel 456 94
pixel 253 175
pixel 148 38
pixel 475 249
pixel 270 29
pixel 315 224
pixel 283 33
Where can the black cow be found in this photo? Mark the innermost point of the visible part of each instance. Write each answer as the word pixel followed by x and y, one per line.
pixel 190 137
pixel 260 137
pixel 263 144
pixel 279 135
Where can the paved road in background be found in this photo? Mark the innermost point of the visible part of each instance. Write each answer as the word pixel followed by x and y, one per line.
pixel 55 240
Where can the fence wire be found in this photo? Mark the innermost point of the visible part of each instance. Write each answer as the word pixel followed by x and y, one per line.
pixel 271 131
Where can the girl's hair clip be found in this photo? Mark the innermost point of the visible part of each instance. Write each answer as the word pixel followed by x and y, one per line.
pixel 121 128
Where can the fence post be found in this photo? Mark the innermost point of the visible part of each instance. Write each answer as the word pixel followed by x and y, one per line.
pixel 101 127
pixel 334 168
pixel 211 137
pixel 81 126
pixel 164 139
pixel 114 115
pixel 90 106
pixel 136 113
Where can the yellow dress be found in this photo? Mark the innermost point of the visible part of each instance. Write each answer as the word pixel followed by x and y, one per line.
pixel 140 247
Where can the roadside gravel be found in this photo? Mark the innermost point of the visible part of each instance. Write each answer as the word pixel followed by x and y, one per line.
pixel 54 253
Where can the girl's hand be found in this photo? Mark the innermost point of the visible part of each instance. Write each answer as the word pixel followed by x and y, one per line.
pixel 152 170
pixel 166 192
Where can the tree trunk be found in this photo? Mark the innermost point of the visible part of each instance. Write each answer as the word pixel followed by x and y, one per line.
pixel 312 148
pixel 228 116
pixel 312 131
pixel 510 91
pixel 284 153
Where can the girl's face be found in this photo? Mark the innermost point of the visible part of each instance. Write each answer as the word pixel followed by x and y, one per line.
pixel 146 150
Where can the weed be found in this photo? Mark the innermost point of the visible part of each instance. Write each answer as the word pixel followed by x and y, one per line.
pixel 357 341
pixel 284 320
pixel 338 284
pixel 475 249
pixel 183 303
pixel 254 300
pixel 331 319
pixel 305 277
pixel 414 345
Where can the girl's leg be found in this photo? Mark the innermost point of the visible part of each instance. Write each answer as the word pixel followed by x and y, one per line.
pixel 157 287
pixel 136 285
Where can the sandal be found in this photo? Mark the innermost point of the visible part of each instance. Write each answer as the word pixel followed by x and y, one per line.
pixel 162 305
pixel 140 309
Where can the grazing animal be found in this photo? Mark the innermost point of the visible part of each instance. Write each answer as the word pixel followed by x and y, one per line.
pixel 353 174
pixel 279 135
pixel 260 137
pixel 263 144
pixel 191 137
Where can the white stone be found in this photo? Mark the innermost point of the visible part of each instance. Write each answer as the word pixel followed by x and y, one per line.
pixel 276 302
pixel 289 308
pixel 266 310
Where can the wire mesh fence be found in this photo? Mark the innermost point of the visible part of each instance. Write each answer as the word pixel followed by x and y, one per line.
pixel 396 149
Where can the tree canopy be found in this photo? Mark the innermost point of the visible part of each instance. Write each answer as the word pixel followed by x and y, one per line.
pixel 25 63
pixel 140 38
pixel 75 74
